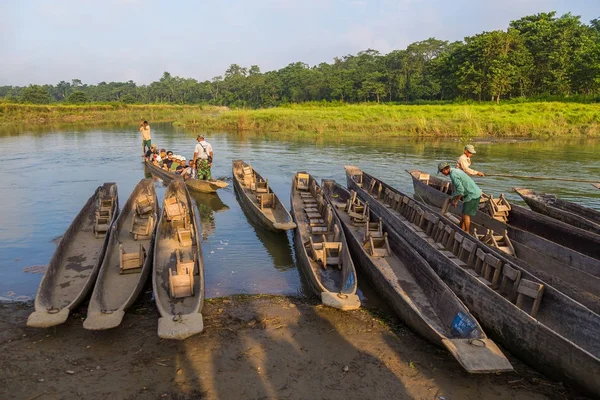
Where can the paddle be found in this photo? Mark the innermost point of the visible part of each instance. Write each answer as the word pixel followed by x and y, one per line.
pixel 550 178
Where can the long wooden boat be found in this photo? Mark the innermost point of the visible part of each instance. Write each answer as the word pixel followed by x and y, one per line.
pixel 571 213
pixel 321 246
pixel 596 185
pixel 258 200
pixel 555 334
pixel 195 185
pixel 128 259
pixel 411 287
pixel 524 220
pixel 74 265
pixel 178 273
pixel 575 274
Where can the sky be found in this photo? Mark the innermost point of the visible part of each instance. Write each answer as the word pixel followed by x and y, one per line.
pixel 46 41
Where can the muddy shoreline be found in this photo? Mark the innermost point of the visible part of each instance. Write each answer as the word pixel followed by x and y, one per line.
pixel 253 347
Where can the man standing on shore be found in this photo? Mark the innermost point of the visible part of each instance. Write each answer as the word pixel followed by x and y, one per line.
pixel 464 161
pixel 146 139
pixel 203 158
pixel 465 189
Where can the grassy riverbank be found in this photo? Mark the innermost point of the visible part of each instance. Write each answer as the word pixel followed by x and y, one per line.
pixel 466 120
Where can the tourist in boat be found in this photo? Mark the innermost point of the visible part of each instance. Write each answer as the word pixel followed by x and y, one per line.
pixel 150 152
pixel 465 189
pixel 169 160
pixel 464 161
pixel 146 139
pixel 203 158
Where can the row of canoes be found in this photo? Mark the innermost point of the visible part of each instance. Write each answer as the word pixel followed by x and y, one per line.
pixel 116 261
pixel 539 298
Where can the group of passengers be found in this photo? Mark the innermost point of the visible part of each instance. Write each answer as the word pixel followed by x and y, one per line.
pixel 169 162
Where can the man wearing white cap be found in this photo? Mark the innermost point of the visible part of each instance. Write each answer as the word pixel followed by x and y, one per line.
pixel 464 161
pixel 203 158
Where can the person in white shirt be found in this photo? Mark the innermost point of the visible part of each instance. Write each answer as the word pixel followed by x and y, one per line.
pixel 464 161
pixel 203 158
pixel 146 138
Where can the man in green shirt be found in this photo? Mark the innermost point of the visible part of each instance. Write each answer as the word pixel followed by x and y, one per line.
pixel 465 189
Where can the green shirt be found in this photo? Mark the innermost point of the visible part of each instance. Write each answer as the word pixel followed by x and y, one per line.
pixel 464 185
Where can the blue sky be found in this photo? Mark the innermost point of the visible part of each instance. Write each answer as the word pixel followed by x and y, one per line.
pixel 45 41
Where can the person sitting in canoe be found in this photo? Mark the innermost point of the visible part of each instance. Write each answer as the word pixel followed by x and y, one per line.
pixel 168 161
pixel 150 151
pixel 203 158
pixel 464 162
pixel 184 170
pixel 465 189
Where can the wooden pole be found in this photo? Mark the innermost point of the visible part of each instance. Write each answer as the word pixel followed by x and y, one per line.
pixel 549 178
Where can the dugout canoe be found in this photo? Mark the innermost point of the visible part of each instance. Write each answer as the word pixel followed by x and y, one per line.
pixel 561 340
pixel 261 204
pixel 576 275
pixel 179 317
pixel 413 290
pixel 121 279
pixel 541 226
pixel 315 231
pixel 568 212
pixel 73 268
pixel 195 185
pixel 596 185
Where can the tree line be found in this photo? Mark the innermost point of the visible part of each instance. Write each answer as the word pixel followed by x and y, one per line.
pixel 538 55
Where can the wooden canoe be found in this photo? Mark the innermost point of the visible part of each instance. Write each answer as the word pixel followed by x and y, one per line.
pixel 74 265
pixel 575 274
pixel 562 210
pixel 596 185
pixel 524 220
pixel 117 289
pixel 258 200
pixel 413 290
pixel 335 284
pixel 195 185
pixel 561 326
pixel 180 317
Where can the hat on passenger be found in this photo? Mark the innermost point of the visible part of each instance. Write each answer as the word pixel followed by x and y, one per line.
pixel 470 148
pixel 200 137
pixel 442 165
pixel 153 146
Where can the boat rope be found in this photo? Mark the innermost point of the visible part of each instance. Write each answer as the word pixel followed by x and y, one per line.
pixel 342 296
pixel 177 317
pixel 107 311
pixel 52 310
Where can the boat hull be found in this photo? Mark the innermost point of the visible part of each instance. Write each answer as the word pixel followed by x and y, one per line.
pixel 572 331
pixel 278 220
pixel 195 185
pixel 73 268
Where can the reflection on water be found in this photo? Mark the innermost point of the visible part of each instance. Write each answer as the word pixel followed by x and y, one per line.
pixel 48 175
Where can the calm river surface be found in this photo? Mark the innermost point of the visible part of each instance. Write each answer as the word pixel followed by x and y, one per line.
pixel 48 176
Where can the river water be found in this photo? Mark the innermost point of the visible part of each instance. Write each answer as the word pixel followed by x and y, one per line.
pixel 48 175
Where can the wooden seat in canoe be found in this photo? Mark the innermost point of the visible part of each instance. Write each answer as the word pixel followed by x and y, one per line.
pixel 509 284
pixel 101 225
pixel 174 209
pixel 302 181
pixel 181 280
pixel 374 229
pixel 130 263
pixel 262 186
pixel 266 200
pixel 184 236
pixel 142 225
pixel 144 205
pixel 531 290
pixel 327 253
pixel 378 247
pixel 248 176
pixel 106 206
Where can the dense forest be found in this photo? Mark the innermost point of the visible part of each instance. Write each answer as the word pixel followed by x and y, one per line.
pixel 537 56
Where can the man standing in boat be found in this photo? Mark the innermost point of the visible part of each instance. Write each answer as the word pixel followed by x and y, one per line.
pixel 465 189
pixel 464 161
pixel 146 139
pixel 203 157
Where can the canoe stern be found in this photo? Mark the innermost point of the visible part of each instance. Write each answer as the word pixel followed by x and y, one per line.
pixel 180 327
pixel 45 319
pixel 478 356
pixel 340 301
pixel 97 321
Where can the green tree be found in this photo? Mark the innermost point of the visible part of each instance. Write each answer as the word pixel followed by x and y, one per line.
pixel 77 97
pixel 35 94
